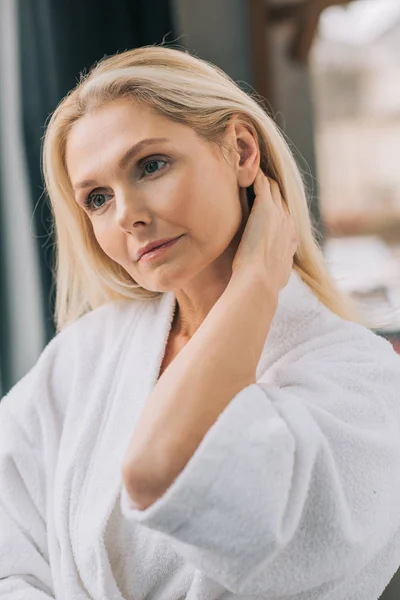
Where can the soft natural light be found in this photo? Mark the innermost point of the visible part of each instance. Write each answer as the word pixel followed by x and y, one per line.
pixel 360 22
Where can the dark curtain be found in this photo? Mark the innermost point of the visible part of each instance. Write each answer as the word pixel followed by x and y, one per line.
pixel 4 309
pixel 58 40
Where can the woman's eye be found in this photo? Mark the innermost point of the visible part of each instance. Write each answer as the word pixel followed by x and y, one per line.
pixel 151 163
pixel 91 202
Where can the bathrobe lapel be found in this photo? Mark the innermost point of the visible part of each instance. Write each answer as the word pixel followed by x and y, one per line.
pixel 144 352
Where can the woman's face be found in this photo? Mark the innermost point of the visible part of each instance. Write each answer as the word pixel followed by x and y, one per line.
pixel 136 192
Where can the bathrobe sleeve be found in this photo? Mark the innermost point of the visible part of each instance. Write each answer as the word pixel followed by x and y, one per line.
pixel 296 486
pixel 24 562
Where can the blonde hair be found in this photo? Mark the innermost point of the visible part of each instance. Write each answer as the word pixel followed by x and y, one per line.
pixel 191 91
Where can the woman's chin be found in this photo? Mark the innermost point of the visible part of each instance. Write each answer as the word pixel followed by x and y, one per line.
pixel 163 283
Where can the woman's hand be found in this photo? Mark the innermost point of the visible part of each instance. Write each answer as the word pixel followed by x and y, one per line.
pixel 269 241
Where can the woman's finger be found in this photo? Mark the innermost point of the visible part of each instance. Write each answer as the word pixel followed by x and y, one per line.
pixel 260 183
pixel 263 184
pixel 275 193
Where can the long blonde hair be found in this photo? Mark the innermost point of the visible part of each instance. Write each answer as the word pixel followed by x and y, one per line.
pixel 191 91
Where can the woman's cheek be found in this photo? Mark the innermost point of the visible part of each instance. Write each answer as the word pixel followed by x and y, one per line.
pixel 110 244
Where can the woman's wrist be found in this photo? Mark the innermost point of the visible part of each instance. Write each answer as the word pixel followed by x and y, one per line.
pixel 244 314
pixel 255 281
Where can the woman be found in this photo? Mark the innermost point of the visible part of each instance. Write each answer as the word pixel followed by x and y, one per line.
pixel 210 421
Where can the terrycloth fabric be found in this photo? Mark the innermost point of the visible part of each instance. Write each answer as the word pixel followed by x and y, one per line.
pixel 294 493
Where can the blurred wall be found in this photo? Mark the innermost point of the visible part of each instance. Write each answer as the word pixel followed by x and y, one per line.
pixel 294 109
pixel 216 31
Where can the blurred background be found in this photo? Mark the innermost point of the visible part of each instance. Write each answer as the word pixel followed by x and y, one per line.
pixel 329 71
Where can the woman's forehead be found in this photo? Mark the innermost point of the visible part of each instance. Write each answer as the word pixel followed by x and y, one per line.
pixel 114 135
pixel 122 119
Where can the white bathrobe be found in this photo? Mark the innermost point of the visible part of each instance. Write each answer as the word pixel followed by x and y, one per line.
pixel 293 493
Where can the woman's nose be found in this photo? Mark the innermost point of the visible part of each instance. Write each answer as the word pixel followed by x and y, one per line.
pixel 129 210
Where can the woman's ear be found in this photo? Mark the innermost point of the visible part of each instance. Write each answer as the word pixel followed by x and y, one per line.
pixel 246 152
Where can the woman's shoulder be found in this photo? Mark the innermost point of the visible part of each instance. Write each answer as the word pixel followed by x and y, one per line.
pixel 310 321
pixel 105 318
pixel 325 353
pixel 310 340
pixel 70 356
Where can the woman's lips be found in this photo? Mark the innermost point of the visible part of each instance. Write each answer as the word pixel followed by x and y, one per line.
pixel 156 252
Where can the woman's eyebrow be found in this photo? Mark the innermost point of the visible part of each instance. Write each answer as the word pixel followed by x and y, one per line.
pixel 131 153
pixel 126 158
